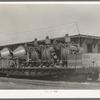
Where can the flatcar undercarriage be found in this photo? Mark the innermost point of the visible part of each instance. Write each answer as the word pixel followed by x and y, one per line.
pixel 64 74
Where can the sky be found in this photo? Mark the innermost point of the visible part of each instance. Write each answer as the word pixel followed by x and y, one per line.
pixel 24 22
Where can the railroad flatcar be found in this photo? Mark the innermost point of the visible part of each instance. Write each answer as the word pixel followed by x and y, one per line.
pixel 50 59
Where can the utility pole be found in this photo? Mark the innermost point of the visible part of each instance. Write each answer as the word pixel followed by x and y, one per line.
pixel 80 38
pixel 77 27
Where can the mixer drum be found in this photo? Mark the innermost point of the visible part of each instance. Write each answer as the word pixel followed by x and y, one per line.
pixel 5 53
pixel 20 52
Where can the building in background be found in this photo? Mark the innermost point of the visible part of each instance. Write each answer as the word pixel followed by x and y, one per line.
pixel 91 44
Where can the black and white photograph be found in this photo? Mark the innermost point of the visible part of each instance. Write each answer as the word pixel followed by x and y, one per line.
pixel 50 46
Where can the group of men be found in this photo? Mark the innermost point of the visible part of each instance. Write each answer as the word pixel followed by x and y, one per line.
pixel 55 52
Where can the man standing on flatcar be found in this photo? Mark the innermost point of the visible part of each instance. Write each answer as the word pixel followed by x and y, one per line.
pixel 56 47
pixel 36 43
pixel 37 46
pixel 27 51
pixel 67 43
pixel 67 38
pixel 12 63
pixel 47 40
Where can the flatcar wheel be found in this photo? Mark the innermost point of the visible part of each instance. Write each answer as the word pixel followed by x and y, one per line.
pixel 95 77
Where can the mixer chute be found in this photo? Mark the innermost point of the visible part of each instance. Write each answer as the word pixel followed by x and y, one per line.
pixel 6 53
pixel 20 52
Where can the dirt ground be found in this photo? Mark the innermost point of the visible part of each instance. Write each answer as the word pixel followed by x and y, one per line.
pixel 13 83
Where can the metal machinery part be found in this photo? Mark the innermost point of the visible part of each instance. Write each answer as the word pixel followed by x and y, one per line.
pixel 5 53
pixel 20 52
